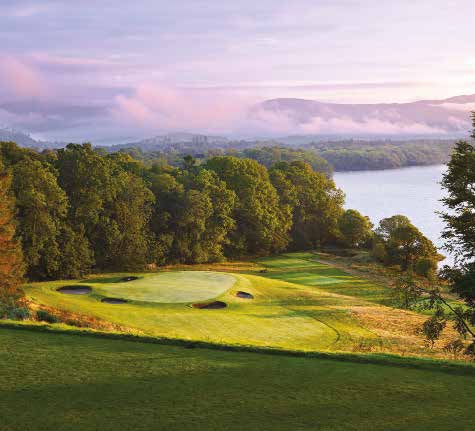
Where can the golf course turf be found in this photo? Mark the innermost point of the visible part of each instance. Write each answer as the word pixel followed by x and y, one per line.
pixel 298 303
pixel 69 382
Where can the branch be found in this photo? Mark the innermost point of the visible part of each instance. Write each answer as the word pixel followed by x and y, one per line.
pixel 457 315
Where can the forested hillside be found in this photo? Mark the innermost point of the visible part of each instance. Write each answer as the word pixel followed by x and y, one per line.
pixel 323 156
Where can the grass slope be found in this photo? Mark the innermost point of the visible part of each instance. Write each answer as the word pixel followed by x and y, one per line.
pixel 67 382
pixel 298 303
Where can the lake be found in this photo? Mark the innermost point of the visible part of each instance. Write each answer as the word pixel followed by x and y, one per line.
pixel 414 192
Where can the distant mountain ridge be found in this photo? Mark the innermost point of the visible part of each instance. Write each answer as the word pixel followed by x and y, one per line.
pixel 181 137
pixel 25 140
pixel 423 117
pixel 296 121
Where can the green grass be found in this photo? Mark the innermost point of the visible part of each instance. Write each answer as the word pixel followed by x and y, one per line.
pixel 66 382
pixel 305 269
pixel 298 304
pixel 168 287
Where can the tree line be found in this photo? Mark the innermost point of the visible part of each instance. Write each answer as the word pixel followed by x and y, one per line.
pixel 324 157
pixel 77 209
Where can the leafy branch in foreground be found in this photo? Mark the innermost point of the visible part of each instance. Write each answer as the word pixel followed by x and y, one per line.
pixel 424 294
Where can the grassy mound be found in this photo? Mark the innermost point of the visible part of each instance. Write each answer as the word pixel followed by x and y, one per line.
pixel 53 381
pixel 170 287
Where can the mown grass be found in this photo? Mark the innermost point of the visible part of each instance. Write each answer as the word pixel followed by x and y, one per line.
pixel 68 382
pixel 167 287
pixel 298 303
pixel 305 268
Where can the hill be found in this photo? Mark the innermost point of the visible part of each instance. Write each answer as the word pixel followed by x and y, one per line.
pixel 25 140
pixel 447 117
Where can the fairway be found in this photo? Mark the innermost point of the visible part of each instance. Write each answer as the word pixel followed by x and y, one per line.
pixel 170 287
pixel 78 383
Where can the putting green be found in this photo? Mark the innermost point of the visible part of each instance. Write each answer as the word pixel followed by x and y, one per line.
pixel 170 287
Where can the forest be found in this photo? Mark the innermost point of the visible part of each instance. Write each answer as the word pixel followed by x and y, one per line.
pixel 77 210
pixel 323 156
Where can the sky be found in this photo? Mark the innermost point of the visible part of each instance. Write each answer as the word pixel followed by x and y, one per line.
pixel 109 71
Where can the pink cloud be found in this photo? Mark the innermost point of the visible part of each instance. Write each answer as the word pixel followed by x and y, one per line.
pixel 20 80
pixel 169 108
pixel 155 108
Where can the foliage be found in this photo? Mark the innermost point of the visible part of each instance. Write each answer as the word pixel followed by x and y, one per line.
pixel 193 215
pixel 324 156
pixel 354 155
pixel 398 242
pixel 269 156
pixel 11 261
pixel 459 233
pixel 46 316
pixel 355 228
pixel 261 223
pixel 407 291
pixel 11 258
pixel 313 200
pixel 111 205
pixel 455 347
pixel 42 208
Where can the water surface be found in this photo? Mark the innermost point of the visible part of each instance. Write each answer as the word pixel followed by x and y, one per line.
pixel 414 192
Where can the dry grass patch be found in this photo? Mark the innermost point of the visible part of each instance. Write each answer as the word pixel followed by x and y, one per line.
pixel 401 330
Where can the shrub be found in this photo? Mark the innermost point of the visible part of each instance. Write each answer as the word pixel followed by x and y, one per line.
pixel 16 313
pixel 454 347
pixel 46 316
pixel 426 267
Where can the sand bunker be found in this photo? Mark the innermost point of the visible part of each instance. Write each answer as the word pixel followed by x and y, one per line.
pixel 211 305
pixel 75 290
pixel 129 278
pixel 114 300
pixel 244 295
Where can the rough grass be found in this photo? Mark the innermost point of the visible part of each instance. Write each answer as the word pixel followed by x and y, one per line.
pixel 298 303
pixel 67 382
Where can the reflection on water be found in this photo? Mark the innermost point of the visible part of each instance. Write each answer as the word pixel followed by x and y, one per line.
pixel 414 192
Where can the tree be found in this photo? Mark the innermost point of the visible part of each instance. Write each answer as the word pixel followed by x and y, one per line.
pixel 459 234
pixel 313 200
pixel 11 261
pixel 355 228
pixel 399 242
pixel 109 203
pixel 42 208
pixel 130 239
pixel 193 215
pixel 262 225
pixel 76 255
pixel 459 182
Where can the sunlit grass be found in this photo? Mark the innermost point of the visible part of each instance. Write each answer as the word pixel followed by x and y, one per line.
pixel 298 303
